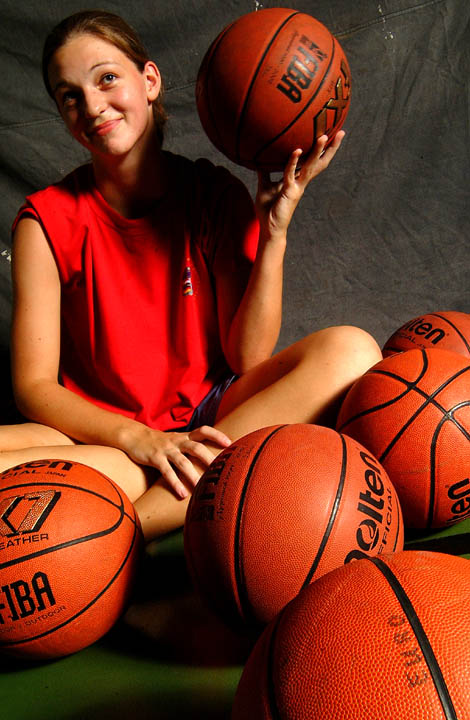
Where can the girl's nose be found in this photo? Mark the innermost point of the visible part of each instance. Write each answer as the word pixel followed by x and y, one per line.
pixel 93 103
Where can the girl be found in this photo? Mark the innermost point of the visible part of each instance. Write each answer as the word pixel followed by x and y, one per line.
pixel 147 292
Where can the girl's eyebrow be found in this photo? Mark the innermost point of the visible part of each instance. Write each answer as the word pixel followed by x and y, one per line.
pixel 64 83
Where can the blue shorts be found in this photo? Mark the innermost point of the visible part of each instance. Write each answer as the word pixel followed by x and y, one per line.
pixel 206 411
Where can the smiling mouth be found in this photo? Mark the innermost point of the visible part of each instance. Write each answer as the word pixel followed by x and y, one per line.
pixel 105 127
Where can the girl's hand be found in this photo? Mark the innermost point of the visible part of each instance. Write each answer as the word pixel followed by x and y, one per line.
pixel 168 452
pixel 277 201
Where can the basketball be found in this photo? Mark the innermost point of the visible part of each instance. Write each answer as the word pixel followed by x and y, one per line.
pixel 278 509
pixel 69 548
pixel 271 82
pixel 449 330
pixel 412 411
pixel 382 638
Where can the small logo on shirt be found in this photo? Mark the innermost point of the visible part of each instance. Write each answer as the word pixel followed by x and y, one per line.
pixel 187 281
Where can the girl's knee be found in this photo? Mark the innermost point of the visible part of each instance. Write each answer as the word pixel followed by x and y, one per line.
pixel 343 346
pixel 353 340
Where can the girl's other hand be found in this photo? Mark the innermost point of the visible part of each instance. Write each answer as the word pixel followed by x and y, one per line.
pixel 170 453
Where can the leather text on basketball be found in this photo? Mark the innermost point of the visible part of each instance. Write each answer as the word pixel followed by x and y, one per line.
pixel 416 669
pixel 209 482
pixel 30 467
pixel 23 540
pixel 301 70
pixel 24 598
pixel 419 327
pixel 375 508
pixel 459 495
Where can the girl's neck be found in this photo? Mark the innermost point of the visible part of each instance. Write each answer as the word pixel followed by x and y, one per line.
pixel 132 184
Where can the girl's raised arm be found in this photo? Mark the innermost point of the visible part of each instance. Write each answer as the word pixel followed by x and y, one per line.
pixel 250 330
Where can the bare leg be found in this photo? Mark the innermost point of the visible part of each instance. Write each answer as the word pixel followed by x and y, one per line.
pixel 29 434
pixel 304 383
pixel 132 478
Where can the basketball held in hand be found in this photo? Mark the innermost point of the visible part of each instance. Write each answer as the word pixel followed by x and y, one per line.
pixel 273 81
pixel 69 550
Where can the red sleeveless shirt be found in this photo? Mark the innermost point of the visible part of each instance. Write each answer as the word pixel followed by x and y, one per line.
pixel 139 331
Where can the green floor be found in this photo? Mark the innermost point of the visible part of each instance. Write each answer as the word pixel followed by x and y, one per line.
pixel 167 659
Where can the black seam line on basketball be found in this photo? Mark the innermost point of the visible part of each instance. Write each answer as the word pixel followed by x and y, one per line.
pixel 241 119
pixel 73 487
pixel 57 483
pixel 83 610
pixel 432 475
pixel 420 634
pixel 409 385
pixel 68 543
pixel 398 514
pixel 454 327
pixel 412 386
pixel 332 518
pixel 430 400
pixel 448 417
pixel 239 578
pixel 284 130
pixel 24 467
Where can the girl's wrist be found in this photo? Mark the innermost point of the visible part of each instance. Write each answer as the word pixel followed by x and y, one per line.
pixel 274 244
pixel 126 433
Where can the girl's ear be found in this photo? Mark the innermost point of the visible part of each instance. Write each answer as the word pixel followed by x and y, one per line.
pixel 153 80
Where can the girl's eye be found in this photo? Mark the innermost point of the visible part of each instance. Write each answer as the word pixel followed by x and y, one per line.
pixel 69 98
pixel 108 78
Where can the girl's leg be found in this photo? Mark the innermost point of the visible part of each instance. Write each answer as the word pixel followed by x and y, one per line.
pixel 29 434
pixel 132 478
pixel 303 383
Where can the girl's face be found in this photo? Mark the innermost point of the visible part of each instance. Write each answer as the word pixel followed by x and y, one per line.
pixel 103 98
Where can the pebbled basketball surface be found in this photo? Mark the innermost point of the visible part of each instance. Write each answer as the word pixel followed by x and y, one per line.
pixel 150 671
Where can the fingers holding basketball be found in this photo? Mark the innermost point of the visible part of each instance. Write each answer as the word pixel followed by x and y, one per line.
pixel 319 157
pixel 276 201
pixel 302 168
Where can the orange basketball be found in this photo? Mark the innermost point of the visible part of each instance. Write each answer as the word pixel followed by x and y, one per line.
pixel 448 330
pixel 278 509
pixel 384 638
pixel 69 547
pixel 412 410
pixel 271 82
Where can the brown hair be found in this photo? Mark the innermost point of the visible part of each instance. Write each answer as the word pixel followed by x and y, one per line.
pixel 114 30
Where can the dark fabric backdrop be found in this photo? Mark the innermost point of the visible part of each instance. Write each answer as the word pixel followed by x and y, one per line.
pixel 381 237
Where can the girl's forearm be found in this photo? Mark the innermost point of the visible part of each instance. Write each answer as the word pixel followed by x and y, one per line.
pixel 255 328
pixel 48 403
